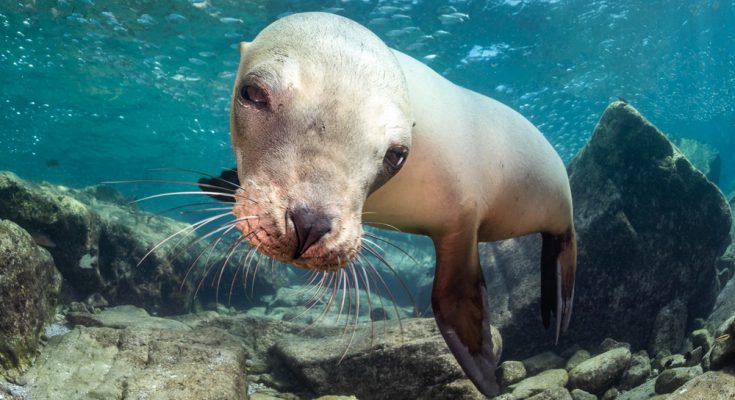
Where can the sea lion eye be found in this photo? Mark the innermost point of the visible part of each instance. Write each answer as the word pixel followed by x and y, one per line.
pixel 395 157
pixel 254 94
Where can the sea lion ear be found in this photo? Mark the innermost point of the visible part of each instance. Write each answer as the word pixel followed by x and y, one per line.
pixel 243 46
pixel 221 187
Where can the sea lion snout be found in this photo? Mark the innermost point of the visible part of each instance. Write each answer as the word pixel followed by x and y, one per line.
pixel 310 227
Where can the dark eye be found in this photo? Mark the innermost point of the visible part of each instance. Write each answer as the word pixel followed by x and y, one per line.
pixel 395 157
pixel 254 94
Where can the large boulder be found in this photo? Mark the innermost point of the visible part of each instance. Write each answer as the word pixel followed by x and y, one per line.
pixel 141 358
pixel 99 243
pixel 404 361
pixel 29 285
pixel 712 385
pixel 647 222
pixel 601 372
pixel 704 157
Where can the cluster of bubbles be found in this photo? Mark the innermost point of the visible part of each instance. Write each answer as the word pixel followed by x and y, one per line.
pixel 109 88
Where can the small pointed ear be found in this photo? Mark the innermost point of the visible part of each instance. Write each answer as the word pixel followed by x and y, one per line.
pixel 243 46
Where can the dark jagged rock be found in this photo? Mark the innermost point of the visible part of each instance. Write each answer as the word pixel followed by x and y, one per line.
pixel 669 327
pixel 648 223
pixel 723 349
pixel 29 285
pixel 703 156
pixel 97 243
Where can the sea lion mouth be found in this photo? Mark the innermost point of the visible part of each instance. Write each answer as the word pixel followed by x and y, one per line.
pixel 304 237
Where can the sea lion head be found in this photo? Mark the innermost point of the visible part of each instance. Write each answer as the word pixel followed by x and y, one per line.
pixel 320 118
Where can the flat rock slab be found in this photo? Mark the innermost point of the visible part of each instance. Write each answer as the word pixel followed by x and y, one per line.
pixel 391 363
pixel 136 363
pixel 712 385
pixel 546 380
pixel 127 316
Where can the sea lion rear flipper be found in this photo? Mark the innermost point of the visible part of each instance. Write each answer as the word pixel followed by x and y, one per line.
pixel 226 183
pixel 459 301
pixel 558 267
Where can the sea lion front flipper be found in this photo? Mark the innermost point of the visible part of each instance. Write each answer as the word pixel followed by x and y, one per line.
pixel 558 267
pixel 459 300
pixel 226 183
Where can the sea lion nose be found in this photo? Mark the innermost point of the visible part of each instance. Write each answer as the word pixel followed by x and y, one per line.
pixel 310 226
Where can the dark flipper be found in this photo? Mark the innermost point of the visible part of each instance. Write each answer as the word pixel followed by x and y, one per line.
pixel 227 182
pixel 558 266
pixel 459 300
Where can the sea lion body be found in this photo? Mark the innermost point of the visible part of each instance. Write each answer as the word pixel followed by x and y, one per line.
pixel 332 129
pixel 473 161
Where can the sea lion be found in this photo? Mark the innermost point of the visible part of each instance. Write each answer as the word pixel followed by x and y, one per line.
pixel 331 129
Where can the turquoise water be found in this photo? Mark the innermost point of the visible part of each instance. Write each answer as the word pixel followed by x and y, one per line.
pixel 103 90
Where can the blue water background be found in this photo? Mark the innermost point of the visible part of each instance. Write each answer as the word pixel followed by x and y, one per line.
pixel 98 90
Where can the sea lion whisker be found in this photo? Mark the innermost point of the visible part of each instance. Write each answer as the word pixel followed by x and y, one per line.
pixel 395 273
pixel 199 173
pixel 232 282
pixel 377 274
pixel 381 224
pixel 255 272
pixel 395 246
pixel 332 285
pixel 319 289
pixel 190 228
pixel 356 288
pixel 252 253
pixel 307 286
pixel 366 284
pixel 194 242
pixel 201 210
pixel 210 250
pixel 203 203
pixel 368 276
pixel 184 193
pixel 232 249
pixel 174 181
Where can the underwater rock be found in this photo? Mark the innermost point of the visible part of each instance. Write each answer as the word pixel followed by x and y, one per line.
pixel 723 349
pixel 390 362
pixel 550 379
pixel 609 344
pixel 601 372
pixel 126 316
pixel 650 228
pixel 673 378
pixel 558 393
pixel 579 394
pixel 703 156
pixel 97 244
pixel 542 362
pixel 638 372
pixel 644 391
pixel 29 286
pixel 712 385
pixel 108 363
pixel 669 327
pixel 724 306
pixel 577 358
pixel 702 338
pixel 510 372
